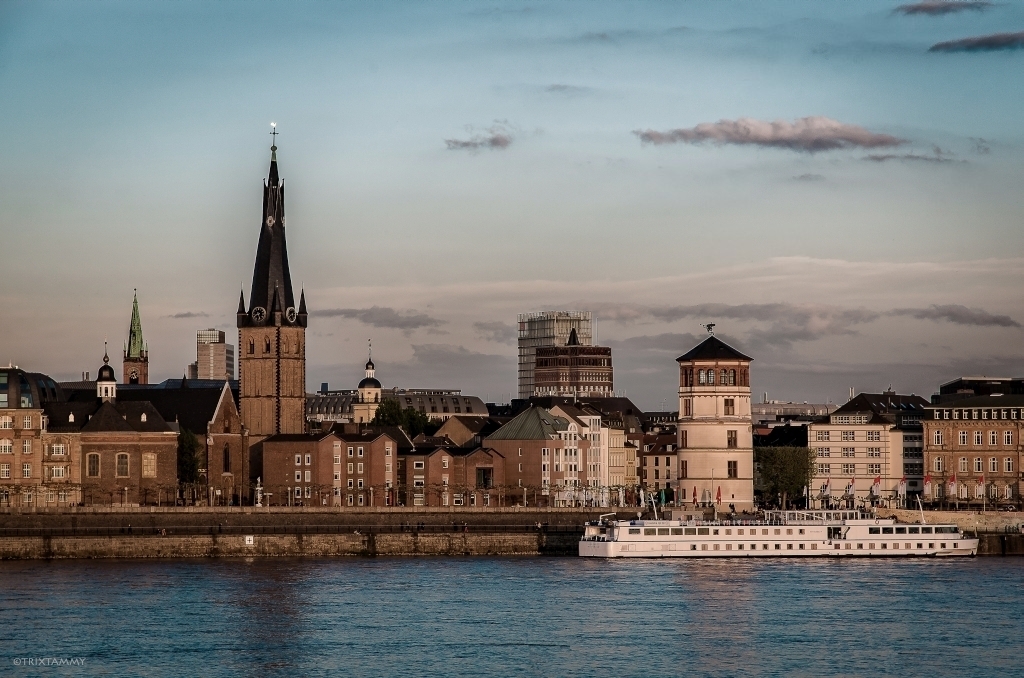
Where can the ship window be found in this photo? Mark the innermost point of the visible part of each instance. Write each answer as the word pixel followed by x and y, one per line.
pixel 801 530
pixel 763 532
pixel 860 546
pixel 650 531
pixel 778 531
pixel 740 547
pixel 693 547
pixel 789 547
pixel 739 531
pixel 677 530
pixel 901 530
pixel 874 530
pixel 691 530
pixel 778 547
pixel 926 530
pixel 714 531
pixel 702 530
pixel 886 530
pixel 914 530
pixel 634 530
pixel 662 530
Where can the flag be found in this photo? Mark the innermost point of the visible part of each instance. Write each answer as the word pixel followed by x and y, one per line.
pixel 718 498
pixel 952 485
pixel 928 485
pixel 826 489
pixel 851 489
pixel 876 486
pixel 902 491
pixel 694 495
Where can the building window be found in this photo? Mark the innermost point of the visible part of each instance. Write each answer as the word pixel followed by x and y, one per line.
pixel 444 462
pixel 387 451
pixel 6 422
pixel 6 446
pixel 711 377
pixel 977 437
pixel 874 468
pixel 963 465
pixel 92 466
pixel 977 465
pixel 298 476
pixel 875 451
pixel 298 460
pixel 26 446
pixel 359 451
pixel 417 464
pixel 849 469
pixel 348 500
pixel 848 435
pixel 687 407
pixel 359 467
pixel 824 469
pixel 351 483
pixel 824 451
pixel 252 347
pixel 1008 465
pixel 993 438
pixel 937 464
pixel 307 491
pixel 308 476
pixel 26 422
pixel 359 483
pixel 122 465
pixel 730 438
pixel 337 460
pixel 351 452
pixel 5 471
pixel 26 470
pixel 937 437
pixel 149 464
pixel 733 469
pixel 993 465
pixel 266 344
pixel 730 407
pixel 821 435
pixel 849 452
pixel 57 449
pixel 700 377
pixel 1007 437
pixel 683 469
pixel 682 439
pixel 963 437
pixel 874 436
pixel 350 468
pixel 57 472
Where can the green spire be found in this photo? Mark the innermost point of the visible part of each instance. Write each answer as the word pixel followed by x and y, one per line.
pixel 136 346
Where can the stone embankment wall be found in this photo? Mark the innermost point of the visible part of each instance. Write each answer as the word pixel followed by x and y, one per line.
pixel 308 545
pixel 970 521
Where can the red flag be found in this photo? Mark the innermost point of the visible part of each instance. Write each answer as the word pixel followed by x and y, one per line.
pixel 718 498
pixel 694 495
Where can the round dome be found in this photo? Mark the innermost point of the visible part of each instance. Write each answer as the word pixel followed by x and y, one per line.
pixel 369 382
pixel 27 389
pixel 369 364
pixel 106 373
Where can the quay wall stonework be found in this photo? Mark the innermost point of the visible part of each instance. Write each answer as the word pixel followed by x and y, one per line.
pixel 970 521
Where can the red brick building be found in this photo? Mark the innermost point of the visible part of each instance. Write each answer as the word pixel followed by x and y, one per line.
pixel 453 476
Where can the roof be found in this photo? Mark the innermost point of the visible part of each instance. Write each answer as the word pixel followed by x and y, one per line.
pixel 994 400
pixel 535 423
pixel 298 437
pixel 713 348
pixel 369 382
pixel 136 346
pixel 883 403
pixel 193 404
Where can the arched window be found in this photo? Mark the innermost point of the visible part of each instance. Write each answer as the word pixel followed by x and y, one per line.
pixel 711 377
pixel 252 347
pixel 725 378
pixel 227 459
pixel 732 377
pixel 266 344
pixel 93 465
pixel 700 376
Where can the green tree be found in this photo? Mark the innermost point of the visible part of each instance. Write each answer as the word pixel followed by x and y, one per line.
pixel 189 457
pixel 413 422
pixel 783 471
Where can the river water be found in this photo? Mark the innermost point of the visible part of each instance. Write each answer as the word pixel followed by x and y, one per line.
pixel 514 616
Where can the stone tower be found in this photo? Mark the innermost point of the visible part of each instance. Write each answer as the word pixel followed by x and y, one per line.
pixel 272 333
pixel 716 444
pixel 136 352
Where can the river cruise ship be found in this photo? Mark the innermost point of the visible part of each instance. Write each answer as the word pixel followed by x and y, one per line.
pixel 787 534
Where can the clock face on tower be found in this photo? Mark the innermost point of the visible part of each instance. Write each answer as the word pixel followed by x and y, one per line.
pixel 133 376
pixel 290 314
pixel 259 314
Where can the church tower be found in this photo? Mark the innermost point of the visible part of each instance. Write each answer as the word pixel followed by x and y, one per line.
pixel 272 333
pixel 136 352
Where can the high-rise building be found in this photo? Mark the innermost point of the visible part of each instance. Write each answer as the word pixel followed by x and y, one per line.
pixel 547 328
pixel 573 370
pixel 272 333
pixel 215 358
pixel 136 352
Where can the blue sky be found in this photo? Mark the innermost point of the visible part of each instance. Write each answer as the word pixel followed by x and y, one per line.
pixel 135 142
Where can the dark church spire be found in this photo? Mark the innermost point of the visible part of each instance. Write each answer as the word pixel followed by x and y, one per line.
pixel 271 279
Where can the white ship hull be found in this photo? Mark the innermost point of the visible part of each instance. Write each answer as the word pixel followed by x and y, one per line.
pixel 781 538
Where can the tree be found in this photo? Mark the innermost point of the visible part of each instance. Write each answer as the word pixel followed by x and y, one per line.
pixel 189 459
pixel 784 471
pixel 413 422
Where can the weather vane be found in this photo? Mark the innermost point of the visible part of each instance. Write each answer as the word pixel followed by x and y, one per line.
pixel 710 327
pixel 273 133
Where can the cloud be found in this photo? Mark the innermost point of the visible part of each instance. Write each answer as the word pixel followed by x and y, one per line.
pixel 810 177
pixel 671 342
pixel 811 134
pixel 568 90
pixel 983 43
pixel 502 333
pixel 980 146
pixel 497 137
pixel 383 316
pixel 959 315
pixel 940 7
pixel 189 314
pixel 938 156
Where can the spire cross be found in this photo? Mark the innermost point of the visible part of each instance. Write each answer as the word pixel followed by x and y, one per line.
pixel 273 133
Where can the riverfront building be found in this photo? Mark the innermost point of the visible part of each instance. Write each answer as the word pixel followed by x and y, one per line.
pixel 715 435
pixel 972 450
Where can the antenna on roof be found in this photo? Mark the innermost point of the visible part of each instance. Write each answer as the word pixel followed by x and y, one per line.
pixel 710 327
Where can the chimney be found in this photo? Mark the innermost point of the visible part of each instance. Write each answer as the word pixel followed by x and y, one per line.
pixel 851 393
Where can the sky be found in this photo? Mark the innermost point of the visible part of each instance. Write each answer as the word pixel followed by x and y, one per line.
pixel 836 185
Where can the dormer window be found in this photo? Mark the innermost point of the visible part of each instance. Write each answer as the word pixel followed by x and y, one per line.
pixel 143 417
pixel 71 418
